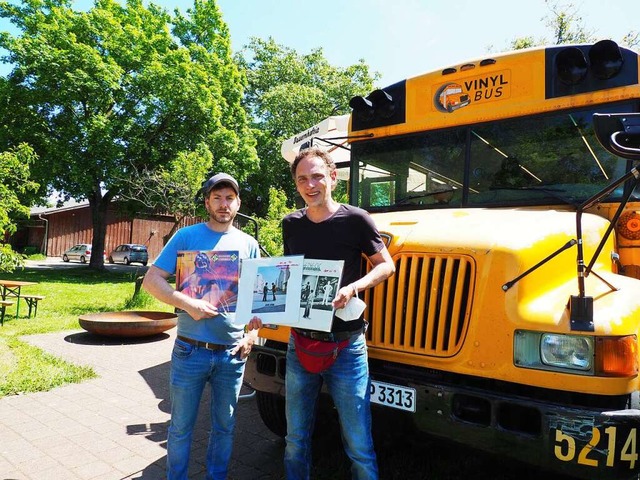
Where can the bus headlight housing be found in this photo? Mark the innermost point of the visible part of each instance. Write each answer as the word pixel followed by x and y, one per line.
pixel 579 354
pixel 553 351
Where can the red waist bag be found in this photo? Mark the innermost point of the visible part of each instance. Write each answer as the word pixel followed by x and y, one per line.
pixel 316 356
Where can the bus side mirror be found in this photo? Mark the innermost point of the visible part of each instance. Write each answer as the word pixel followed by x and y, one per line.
pixel 619 133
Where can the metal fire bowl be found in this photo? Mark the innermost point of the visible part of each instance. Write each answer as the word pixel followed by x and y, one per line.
pixel 128 323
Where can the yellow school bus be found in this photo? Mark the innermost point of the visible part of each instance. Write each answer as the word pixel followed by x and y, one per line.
pixel 512 321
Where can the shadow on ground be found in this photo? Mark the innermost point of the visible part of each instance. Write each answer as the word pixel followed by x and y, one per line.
pixel 86 338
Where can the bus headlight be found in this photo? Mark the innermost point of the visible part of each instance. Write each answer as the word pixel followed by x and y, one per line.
pixel 552 351
pixel 567 351
pixel 580 354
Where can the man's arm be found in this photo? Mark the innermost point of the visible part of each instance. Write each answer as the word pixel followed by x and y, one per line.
pixel 155 282
pixel 383 268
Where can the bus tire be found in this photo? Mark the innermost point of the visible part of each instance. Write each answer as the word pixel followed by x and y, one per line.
pixel 272 412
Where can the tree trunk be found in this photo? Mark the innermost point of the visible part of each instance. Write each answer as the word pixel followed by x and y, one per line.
pixel 99 205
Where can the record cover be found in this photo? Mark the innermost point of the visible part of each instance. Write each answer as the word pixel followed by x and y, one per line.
pixel 211 275
pixel 269 288
pixel 320 284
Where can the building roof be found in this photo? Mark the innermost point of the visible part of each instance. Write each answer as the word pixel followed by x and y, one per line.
pixel 44 210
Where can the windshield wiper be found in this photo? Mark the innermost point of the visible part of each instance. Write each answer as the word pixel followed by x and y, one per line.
pixel 552 192
pixel 403 200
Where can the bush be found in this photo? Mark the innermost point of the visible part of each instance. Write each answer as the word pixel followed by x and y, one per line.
pixel 30 250
pixel 9 260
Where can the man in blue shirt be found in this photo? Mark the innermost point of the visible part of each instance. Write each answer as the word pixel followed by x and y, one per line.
pixel 210 347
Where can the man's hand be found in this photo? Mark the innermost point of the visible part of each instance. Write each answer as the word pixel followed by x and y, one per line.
pixel 245 344
pixel 155 282
pixel 254 324
pixel 199 309
pixel 345 294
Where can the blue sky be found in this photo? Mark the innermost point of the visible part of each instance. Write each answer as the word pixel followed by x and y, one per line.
pixel 403 38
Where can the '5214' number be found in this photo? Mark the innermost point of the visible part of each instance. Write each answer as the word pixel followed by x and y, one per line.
pixel 565 448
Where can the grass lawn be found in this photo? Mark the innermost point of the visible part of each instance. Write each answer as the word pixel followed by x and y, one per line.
pixel 70 292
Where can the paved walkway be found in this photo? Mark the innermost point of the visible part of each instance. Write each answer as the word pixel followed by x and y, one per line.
pixel 114 427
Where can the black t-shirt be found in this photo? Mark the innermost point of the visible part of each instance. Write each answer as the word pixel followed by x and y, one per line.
pixel 346 235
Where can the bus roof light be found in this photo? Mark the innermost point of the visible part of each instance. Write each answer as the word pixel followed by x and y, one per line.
pixel 362 106
pixel 571 66
pixel 382 103
pixel 380 108
pixel 606 59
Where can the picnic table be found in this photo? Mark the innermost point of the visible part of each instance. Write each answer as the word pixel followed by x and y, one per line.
pixel 12 288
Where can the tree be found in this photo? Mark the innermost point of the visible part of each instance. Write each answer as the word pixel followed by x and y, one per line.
pixel 567 25
pixel 109 91
pixel 172 189
pixel 286 93
pixel 14 181
pixel 270 230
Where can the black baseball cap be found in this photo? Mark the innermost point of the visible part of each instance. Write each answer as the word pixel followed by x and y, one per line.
pixel 218 179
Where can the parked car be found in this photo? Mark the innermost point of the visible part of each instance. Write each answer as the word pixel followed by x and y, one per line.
pixel 129 253
pixel 81 252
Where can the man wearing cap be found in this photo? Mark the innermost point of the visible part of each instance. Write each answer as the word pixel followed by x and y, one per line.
pixel 209 347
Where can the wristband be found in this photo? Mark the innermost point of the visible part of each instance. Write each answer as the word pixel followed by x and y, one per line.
pixel 355 289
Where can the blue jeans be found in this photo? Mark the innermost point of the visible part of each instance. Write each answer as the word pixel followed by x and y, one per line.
pixel 348 383
pixel 191 369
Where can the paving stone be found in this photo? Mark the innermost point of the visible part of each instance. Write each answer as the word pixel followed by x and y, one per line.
pixel 114 427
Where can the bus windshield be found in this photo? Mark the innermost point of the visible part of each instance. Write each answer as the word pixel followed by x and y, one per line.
pixel 536 160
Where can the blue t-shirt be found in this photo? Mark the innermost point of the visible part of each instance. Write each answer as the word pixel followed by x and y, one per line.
pixel 219 329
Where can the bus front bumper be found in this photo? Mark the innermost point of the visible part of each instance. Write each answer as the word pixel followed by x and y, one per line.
pixel 585 443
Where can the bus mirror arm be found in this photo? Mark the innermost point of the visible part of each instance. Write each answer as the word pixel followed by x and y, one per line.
pixel 511 283
pixel 581 306
pixel 625 199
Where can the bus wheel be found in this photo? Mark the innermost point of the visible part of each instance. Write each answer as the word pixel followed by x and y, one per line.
pixel 271 409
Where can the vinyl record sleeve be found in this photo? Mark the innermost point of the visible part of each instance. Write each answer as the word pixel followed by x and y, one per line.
pixel 320 283
pixel 210 275
pixel 269 288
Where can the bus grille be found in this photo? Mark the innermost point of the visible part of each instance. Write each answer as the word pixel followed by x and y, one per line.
pixel 425 307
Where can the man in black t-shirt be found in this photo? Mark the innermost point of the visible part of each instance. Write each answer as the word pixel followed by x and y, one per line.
pixel 326 229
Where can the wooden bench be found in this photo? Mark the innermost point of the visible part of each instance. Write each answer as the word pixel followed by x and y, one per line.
pixel 32 302
pixel 3 306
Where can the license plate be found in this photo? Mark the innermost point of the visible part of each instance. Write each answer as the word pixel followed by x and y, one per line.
pixel 394 396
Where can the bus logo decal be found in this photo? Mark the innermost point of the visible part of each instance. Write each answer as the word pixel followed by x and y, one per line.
pixel 452 95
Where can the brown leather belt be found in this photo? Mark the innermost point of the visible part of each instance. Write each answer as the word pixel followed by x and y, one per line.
pixel 328 336
pixel 216 347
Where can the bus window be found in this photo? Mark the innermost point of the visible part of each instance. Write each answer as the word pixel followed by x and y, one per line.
pixel 539 160
pixel 418 170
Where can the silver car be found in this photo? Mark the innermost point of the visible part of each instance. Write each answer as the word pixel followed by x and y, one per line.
pixel 129 253
pixel 81 252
